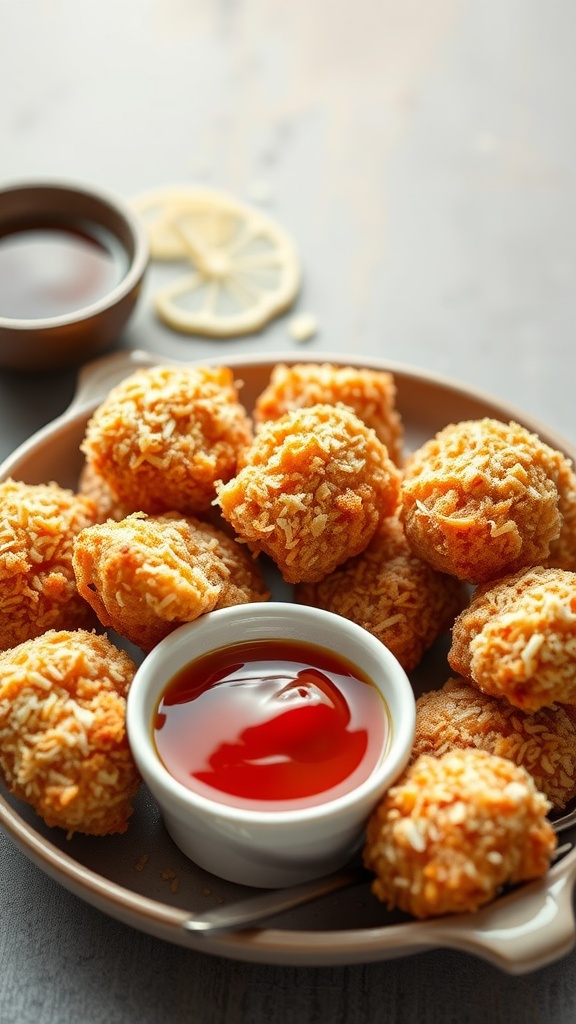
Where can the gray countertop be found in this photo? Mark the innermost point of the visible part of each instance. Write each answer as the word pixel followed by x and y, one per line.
pixel 423 157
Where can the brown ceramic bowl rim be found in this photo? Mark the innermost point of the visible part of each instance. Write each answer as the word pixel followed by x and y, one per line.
pixel 75 202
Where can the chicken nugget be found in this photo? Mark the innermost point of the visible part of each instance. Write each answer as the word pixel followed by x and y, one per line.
pixel 63 744
pixel 38 524
pixel 371 394
pixel 164 436
pixel 544 742
pixel 92 485
pixel 480 499
pixel 311 491
pixel 563 549
pixel 146 575
pixel 517 638
pixel 392 593
pixel 455 829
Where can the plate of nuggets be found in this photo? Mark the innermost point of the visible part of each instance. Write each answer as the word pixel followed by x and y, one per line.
pixel 438 519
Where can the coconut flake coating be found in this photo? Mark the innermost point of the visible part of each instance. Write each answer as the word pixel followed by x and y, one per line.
pixel 92 485
pixel 146 575
pixel 392 593
pixel 517 638
pixel 481 499
pixel 543 742
pixel 163 436
pixel 454 830
pixel 371 394
pixel 311 491
pixel 38 524
pixel 63 744
pixel 563 549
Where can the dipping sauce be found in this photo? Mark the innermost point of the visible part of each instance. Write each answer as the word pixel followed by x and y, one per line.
pixel 48 272
pixel 271 725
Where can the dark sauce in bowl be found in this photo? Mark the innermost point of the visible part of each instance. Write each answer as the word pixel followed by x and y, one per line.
pixel 271 725
pixel 53 271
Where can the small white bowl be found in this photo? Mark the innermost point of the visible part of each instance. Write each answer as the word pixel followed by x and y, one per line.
pixel 259 847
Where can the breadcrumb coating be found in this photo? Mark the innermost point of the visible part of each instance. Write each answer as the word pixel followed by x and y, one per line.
pixel 371 394
pixel 392 593
pixel 311 491
pixel 480 499
pixel 517 638
pixel 38 524
pixel 163 436
pixel 92 485
pixel 146 575
pixel 454 830
pixel 544 742
pixel 563 549
pixel 63 744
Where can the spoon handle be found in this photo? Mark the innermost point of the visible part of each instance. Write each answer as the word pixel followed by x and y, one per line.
pixel 254 908
pixel 566 821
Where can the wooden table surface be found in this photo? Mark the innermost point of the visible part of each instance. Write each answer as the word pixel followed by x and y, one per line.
pixel 423 157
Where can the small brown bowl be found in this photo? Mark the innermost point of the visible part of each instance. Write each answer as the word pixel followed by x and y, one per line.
pixel 107 226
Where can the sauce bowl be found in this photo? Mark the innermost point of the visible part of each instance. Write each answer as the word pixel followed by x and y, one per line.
pixel 269 848
pixel 90 318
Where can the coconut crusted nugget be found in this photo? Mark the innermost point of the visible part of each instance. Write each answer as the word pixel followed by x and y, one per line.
pixel 517 638
pixel 544 743
pixel 392 593
pixel 311 491
pixel 92 485
pixel 63 745
pixel 38 524
pixel 481 499
pixel 164 435
pixel 371 394
pixel 563 549
pixel 146 575
pixel 455 829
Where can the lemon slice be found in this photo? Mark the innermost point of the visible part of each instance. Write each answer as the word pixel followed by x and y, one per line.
pixel 244 267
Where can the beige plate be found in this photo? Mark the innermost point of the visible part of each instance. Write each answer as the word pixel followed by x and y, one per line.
pixel 142 879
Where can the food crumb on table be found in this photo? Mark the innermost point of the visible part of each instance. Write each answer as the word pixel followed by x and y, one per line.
pixel 303 327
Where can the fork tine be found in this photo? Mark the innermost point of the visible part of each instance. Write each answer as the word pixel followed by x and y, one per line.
pixel 560 851
pixel 566 821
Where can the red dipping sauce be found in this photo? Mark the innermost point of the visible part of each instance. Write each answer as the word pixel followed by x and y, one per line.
pixel 271 725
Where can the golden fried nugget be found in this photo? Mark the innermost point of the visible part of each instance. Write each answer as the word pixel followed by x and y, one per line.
pixel 392 593
pixel 163 436
pixel 455 829
pixel 38 524
pixel 517 638
pixel 563 549
pixel 544 742
pixel 146 575
pixel 311 491
pixel 92 485
pixel 63 745
pixel 371 394
pixel 480 499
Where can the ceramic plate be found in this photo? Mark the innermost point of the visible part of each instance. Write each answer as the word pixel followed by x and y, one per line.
pixel 142 879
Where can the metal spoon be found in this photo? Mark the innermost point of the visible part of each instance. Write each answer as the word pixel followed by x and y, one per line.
pixel 275 901
pixel 255 908
pixel 566 821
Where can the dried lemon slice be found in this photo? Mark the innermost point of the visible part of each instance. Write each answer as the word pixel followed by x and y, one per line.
pixel 245 269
